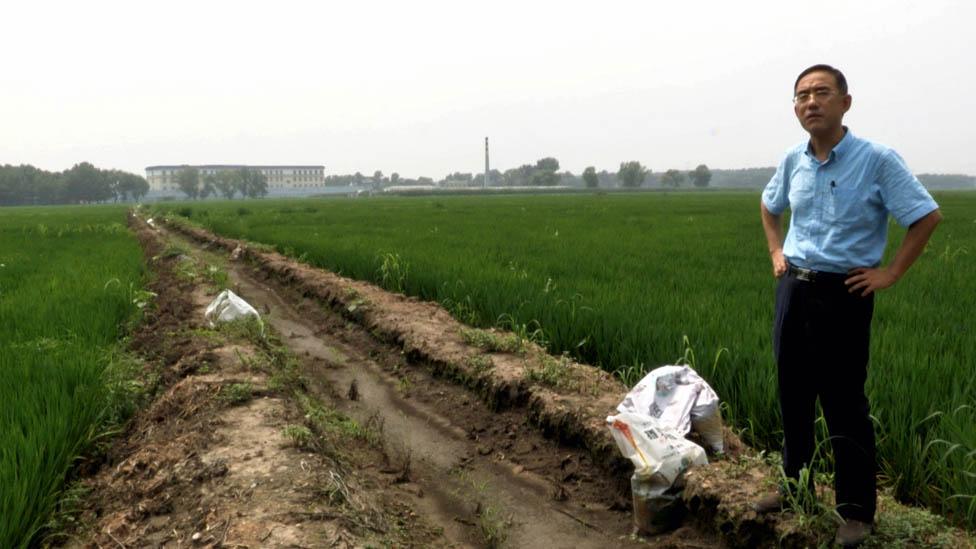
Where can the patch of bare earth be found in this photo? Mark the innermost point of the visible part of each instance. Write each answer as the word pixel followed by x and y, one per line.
pixel 485 444
pixel 219 457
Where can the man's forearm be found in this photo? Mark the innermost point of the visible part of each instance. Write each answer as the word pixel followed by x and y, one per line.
pixel 773 227
pixel 914 243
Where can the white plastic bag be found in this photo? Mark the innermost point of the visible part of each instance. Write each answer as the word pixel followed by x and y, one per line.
pixel 228 306
pixel 680 399
pixel 659 453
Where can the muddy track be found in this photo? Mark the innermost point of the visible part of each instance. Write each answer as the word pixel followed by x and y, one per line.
pixel 455 443
pixel 465 460
pixel 478 469
pixel 219 457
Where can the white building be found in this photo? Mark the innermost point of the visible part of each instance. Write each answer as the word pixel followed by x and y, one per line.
pixel 162 179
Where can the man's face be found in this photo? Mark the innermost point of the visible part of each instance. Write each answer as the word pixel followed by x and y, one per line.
pixel 819 105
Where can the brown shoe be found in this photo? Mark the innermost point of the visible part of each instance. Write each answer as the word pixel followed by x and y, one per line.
pixel 770 503
pixel 853 533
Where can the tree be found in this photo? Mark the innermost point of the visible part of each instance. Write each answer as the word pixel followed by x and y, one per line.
pixel 548 163
pixel 700 176
pixel 590 178
pixel 18 184
pixel 522 175
pixel 258 184
pixel 544 178
pixel 86 183
pixel 82 183
pixel 188 181
pixel 126 185
pixel 494 177
pixel 672 178
pixel 140 187
pixel 251 183
pixel 394 178
pixel 226 183
pixel 544 173
pixel 209 186
pixel 632 174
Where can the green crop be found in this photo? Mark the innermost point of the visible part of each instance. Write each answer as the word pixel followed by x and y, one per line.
pixel 69 281
pixel 619 281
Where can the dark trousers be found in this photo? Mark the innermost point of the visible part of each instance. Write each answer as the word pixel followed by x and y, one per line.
pixel 821 339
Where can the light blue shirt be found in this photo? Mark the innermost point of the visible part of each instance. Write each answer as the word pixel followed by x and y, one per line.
pixel 839 207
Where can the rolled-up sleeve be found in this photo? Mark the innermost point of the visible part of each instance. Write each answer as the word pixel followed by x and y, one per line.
pixel 776 194
pixel 903 194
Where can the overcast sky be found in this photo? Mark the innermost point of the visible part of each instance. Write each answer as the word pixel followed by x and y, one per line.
pixel 414 87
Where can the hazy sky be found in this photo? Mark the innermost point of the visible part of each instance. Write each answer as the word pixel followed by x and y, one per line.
pixel 414 87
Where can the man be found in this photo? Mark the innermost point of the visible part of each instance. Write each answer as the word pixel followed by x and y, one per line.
pixel 840 190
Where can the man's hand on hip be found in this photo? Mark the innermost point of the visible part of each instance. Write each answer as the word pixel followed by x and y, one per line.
pixel 779 262
pixel 868 280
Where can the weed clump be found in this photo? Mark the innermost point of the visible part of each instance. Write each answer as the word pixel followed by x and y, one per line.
pixel 555 372
pixel 298 435
pixel 236 393
pixel 492 341
pixel 247 329
pixel 480 363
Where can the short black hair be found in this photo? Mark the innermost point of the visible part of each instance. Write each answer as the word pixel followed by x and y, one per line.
pixel 839 76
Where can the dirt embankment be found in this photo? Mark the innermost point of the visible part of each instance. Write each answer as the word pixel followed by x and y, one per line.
pixel 222 457
pixel 360 417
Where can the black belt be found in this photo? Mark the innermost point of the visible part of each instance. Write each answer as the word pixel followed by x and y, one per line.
pixel 809 275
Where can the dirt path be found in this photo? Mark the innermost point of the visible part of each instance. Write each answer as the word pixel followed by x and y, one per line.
pixel 469 467
pixel 328 434
pixel 481 476
pixel 222 457
pixel 452 471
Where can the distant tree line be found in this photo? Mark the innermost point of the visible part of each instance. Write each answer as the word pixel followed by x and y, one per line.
pixel 247 182
pixel 82 184
pixel 544 173
pixel 947 181
pixel 630 174
pixel 742 178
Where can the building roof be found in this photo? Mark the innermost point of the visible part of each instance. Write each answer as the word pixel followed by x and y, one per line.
pixel 233 166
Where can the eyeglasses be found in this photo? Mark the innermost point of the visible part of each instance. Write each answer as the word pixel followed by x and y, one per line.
pixel 819 94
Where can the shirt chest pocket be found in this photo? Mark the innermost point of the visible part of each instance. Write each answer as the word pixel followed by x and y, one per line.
pixel 845 205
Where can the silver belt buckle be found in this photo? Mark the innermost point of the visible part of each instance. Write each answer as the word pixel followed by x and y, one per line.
pixel 804 274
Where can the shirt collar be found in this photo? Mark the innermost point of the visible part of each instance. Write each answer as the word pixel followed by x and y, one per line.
pixel 845 143
pixel 839 149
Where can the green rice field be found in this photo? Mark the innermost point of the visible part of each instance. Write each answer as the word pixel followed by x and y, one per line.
pixel 68 281
pixel 630 282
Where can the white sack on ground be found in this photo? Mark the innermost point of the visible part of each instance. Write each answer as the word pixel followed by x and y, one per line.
pixel 228 306
pixel 678 398
pixel 659 454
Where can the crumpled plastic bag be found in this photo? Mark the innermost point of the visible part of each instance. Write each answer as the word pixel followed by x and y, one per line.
pixel 659 454
pixel 228 306
pixel 679 399
pixel 654 418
